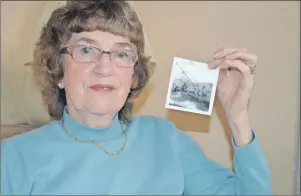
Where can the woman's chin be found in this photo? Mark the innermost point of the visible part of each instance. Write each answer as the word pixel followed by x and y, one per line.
pixel 104 105
pixel 104 109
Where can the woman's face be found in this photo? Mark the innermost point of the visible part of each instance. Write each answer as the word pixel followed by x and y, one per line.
pixel 99 87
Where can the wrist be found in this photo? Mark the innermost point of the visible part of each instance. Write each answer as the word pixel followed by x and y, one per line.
pixel 243 138
pixel 241 129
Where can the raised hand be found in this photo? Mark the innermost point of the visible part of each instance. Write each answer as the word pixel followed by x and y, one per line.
pixel 235 84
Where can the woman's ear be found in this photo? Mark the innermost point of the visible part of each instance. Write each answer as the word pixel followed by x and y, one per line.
pixel 134 82
pixel 61 84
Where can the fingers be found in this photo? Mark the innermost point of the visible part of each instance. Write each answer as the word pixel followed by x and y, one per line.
pixel 214 63
pixel 250 59
pixel 231 53
pixel 221 53
pixel 238 64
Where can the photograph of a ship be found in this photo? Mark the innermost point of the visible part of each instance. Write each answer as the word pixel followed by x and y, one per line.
pixel 187 92
pixel 190 95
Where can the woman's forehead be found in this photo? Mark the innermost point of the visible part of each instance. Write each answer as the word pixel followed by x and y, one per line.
pixel 100 38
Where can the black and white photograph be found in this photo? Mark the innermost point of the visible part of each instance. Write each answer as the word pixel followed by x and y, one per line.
pixel 192 87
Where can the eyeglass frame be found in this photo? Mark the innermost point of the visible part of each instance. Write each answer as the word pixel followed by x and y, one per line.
pixel 70 50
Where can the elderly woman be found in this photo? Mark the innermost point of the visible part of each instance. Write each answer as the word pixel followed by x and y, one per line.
pixel 91 64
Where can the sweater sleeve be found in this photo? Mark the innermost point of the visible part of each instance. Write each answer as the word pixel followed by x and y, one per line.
pixel 204 176
pixel 13 173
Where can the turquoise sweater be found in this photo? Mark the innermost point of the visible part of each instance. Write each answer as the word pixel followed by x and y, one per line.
pixel 158 159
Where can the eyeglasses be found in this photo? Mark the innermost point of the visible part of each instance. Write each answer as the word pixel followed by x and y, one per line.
pixel 90 54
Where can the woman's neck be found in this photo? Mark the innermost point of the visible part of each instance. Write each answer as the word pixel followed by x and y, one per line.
pixel 90 119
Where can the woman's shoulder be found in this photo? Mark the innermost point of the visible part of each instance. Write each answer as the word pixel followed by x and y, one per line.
pixel 34 135
pixel 158 125
pixel 153 122
pixel 164 131
pixel 150 119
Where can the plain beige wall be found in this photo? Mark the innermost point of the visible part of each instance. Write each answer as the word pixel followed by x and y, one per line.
pixel 21 23
pixel 192 30
pixel 18 22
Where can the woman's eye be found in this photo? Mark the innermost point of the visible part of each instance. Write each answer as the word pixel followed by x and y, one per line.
pixel 122 55
pixel 86 50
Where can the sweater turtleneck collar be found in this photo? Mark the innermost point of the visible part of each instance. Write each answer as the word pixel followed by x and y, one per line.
pixel 84 132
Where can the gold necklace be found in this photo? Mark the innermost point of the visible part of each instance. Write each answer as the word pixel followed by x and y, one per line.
pixel 97 144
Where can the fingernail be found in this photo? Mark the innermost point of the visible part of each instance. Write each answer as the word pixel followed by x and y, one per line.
pixel 216 55
pixel 208 65
pixel 227 57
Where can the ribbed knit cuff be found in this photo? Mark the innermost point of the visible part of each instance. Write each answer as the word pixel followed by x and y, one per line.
pixel 248 153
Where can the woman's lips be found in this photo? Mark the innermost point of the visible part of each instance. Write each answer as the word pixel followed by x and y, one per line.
pixel 102 88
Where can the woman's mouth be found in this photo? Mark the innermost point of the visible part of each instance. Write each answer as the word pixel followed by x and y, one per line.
pixel 102 87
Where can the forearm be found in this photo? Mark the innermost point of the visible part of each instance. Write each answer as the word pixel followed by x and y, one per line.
pixel 241 129
pixel 250 165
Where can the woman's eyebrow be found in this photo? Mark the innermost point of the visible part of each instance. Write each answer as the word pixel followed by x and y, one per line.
pixel 124 45
pixel 87 40
pixel 116 45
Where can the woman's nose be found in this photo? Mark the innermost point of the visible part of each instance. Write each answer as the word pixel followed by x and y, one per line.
pixel 104 66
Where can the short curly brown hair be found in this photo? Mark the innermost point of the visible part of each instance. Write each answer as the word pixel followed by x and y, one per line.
pixel 116 17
